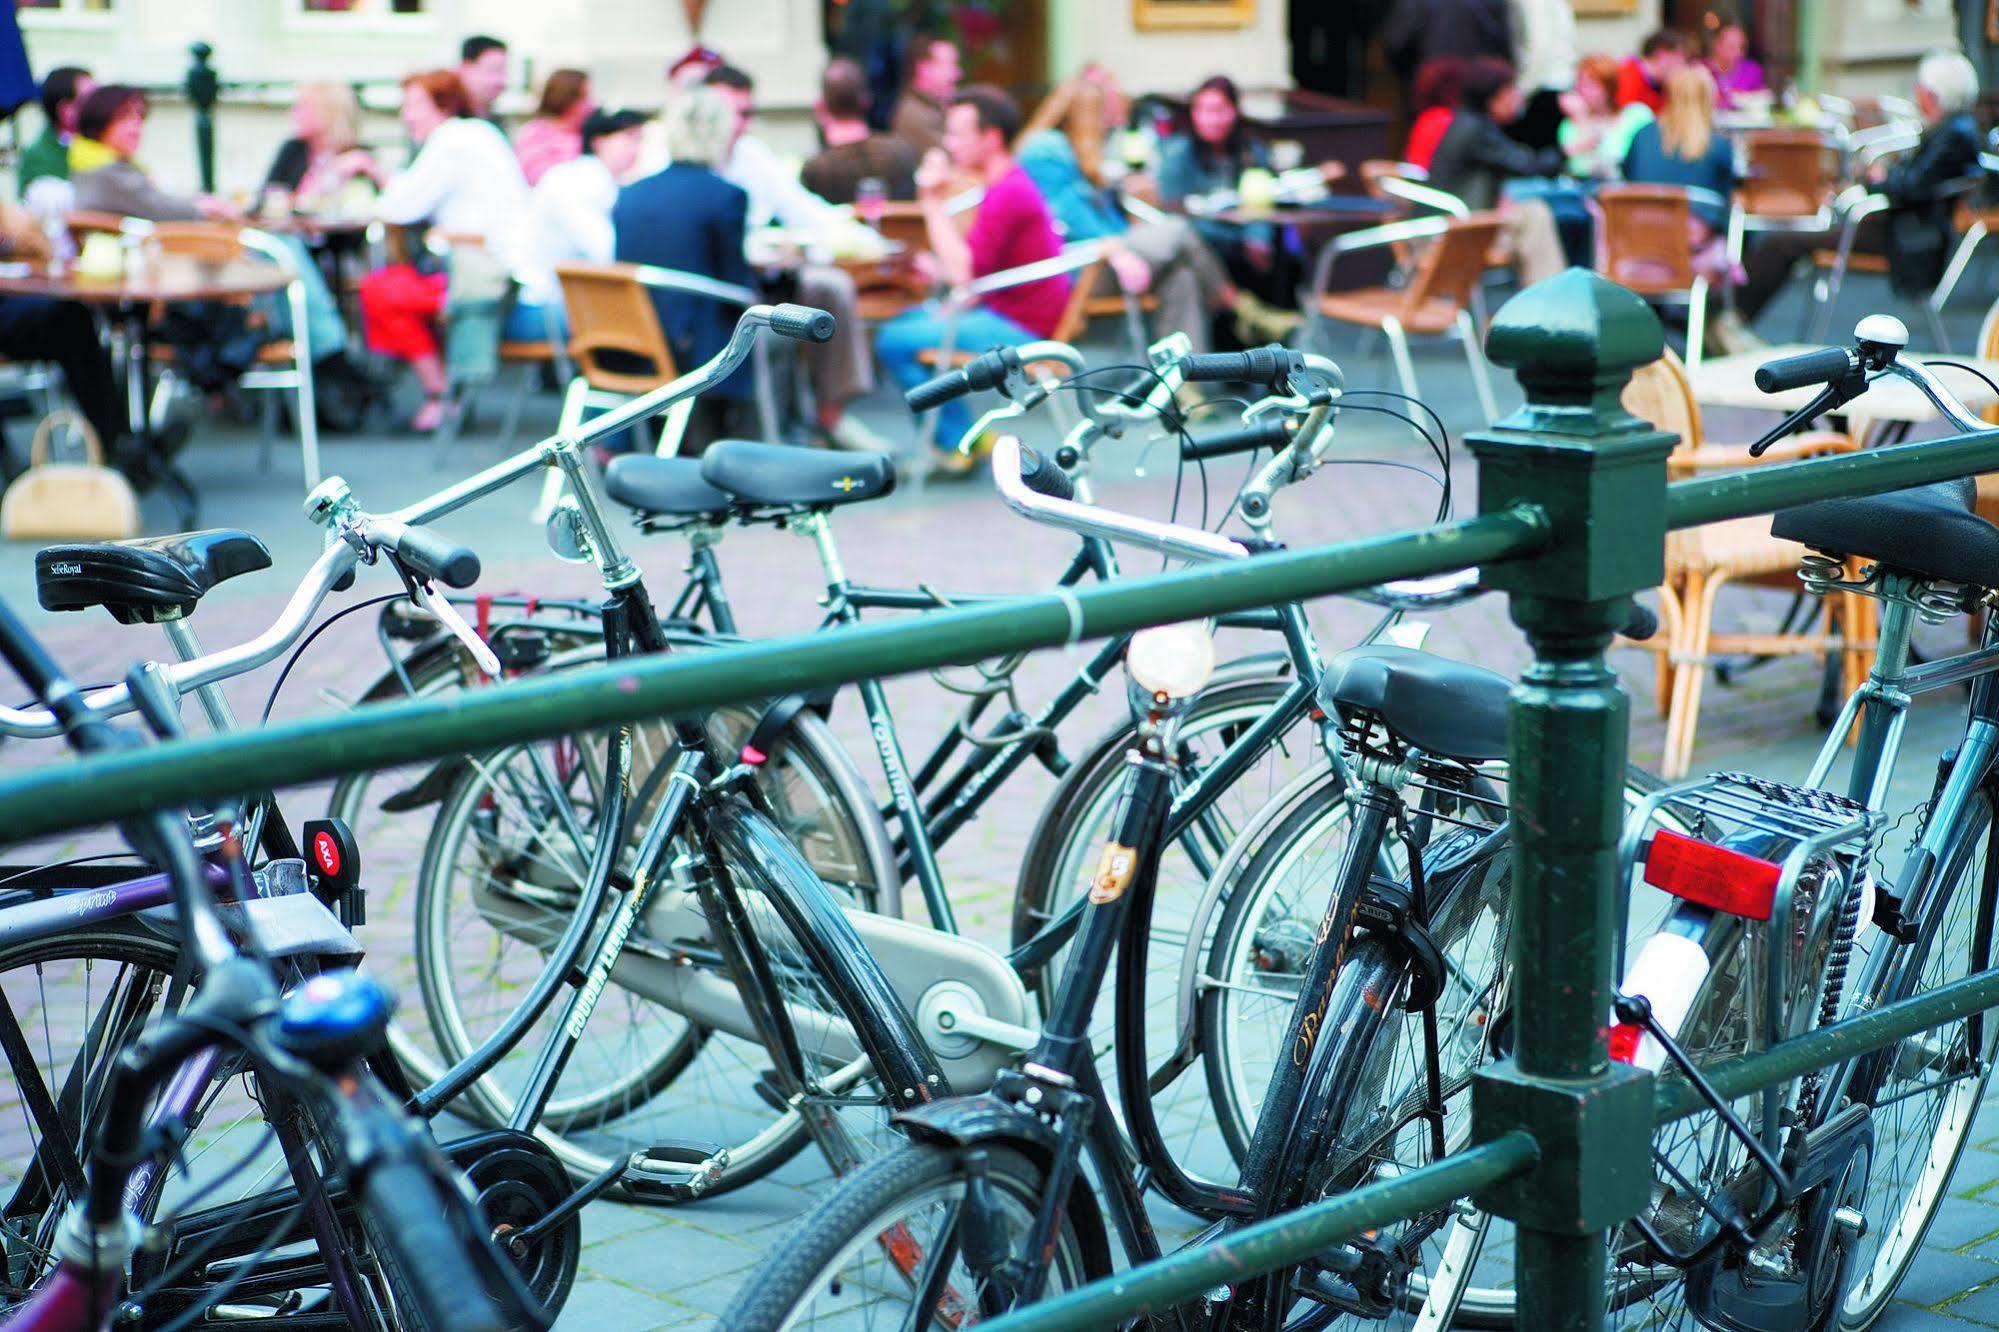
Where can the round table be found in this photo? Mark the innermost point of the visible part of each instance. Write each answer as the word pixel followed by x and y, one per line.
pixel 130 299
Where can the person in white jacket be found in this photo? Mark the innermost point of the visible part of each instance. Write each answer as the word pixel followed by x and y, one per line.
pixel 1545 55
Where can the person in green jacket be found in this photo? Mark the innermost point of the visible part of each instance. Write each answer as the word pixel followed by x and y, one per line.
pixel 63 91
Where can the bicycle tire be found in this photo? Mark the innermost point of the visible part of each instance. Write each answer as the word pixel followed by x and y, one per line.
pixel 1914 1211
pixel 420 1251
pixel 868 1203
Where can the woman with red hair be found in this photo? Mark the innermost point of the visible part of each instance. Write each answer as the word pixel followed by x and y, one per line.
pixel 1438 84
pixel 465 181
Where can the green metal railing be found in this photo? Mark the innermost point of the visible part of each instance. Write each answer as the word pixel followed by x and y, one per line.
pixel 1574 513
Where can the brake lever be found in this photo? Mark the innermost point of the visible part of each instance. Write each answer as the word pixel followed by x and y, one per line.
pixel 1836 394
pixel 426 596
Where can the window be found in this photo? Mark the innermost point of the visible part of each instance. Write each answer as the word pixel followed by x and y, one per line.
pixel 368 7
pixel 63 6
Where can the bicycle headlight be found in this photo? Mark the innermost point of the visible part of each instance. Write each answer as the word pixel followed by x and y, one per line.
pixel 1171 659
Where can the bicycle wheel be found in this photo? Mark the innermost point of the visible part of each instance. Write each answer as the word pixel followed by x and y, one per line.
pixel 507 866
pixel 1245 991
pixel 1374 1082
pixel 1925 1092
pixel 1061 858
pixel 859 1259
pixel 78 998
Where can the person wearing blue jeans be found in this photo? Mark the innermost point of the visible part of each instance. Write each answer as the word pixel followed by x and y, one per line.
pixel 898 341
pixel 1012 229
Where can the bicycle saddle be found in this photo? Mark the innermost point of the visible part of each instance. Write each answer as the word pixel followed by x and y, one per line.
pixel 654 485
pixel 789 477
pixel 1929 531
pixel 1440 706
pixel 146 580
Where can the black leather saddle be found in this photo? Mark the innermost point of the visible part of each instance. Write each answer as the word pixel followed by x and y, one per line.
pixel 146 580
pixel 1929 531
pixel 784 476
pixel 671 487
pixel 1440 706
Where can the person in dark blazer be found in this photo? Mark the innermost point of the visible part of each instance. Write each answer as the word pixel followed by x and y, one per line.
pixel 690 219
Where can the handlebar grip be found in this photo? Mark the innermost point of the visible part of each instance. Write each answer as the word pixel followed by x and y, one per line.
pixel 986 370
pixel 409 1225
pixel 1270 365
pixel 1641 624
pixel 1272 433
pixel 1809 368
pixel 1039 474
pixel 802 322
pixel 434 557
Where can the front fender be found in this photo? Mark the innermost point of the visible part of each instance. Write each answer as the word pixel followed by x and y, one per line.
pixel 965 1121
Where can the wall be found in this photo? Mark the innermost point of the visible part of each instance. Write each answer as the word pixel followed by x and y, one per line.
pixel 1618 34
pixel 1258 56
pixel 1872 46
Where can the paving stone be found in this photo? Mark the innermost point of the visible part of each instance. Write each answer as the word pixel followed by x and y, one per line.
pixel 596 1302
pixel 1939 1278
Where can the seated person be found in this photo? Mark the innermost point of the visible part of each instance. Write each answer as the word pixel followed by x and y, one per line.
pixel 853 151
pixel 688 218
pixel 1728 60
pixel 569 212
pixel 1062 150
pixel 314 166
pixel 1594 135
pixel 36 328
pixel 840 369
pixel 107 178
pixel 555 134
pixel 933 81
pixel 465 181
pixel 1682 148
pixel 1212 155
pixel 1012 228
pixel 62 93
pixel 1476 159
pixel 1914 231
pixel 1436 96
pixel 1642 78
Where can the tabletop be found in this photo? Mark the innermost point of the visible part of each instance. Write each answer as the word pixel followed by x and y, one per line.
pixel 1341 211
pixel 167 278
pixel 314 224
pixel 1730 381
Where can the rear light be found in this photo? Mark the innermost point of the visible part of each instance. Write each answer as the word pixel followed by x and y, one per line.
pixel 1624 1038
pixel 1711 875
pixel 1668 971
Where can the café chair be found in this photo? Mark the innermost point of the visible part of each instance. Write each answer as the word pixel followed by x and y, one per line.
pixel 618 350
pixel 1439 297
pixel 1789 180
pixel 1644 244
pixel 1701 561
pixel 1851 207
pixel 467 326
pixel 283 364
pixel 1977 217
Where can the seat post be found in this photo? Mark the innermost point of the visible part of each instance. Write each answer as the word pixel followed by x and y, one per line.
pixel 812 523
pixel 187 647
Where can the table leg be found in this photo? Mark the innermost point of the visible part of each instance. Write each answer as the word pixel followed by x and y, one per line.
pixel 138 401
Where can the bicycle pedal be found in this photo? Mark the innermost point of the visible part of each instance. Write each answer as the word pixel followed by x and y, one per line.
pixel 675 1171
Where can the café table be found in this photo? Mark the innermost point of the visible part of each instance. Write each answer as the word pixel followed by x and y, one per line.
pixel 129 298
pixel 332 239
pixel 1884 415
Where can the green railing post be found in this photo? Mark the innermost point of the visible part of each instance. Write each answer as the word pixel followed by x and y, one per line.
pixel 202 88
pixel 1601 476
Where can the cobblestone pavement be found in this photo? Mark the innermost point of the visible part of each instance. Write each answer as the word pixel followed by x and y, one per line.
pixel 645 1268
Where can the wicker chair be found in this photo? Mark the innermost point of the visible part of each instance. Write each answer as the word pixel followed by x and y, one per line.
pixel 1701 561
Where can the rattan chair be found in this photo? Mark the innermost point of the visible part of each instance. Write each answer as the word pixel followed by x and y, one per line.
pixel 1701 561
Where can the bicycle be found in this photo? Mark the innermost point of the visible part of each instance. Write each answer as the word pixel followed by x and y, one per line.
pixel 1805 1205
pixel 724 821
pixel 989 1207
pixel 400 1240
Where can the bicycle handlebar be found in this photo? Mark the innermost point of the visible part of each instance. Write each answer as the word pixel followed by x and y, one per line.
pixel 1271 432
pixel 1846 373
pixel 1813 367
pixel 803 323
pixel 1271 365
pixel 426 552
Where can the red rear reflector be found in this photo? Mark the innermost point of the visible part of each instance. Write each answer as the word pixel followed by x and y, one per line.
pixel 1711 875
pixel 1624 1038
